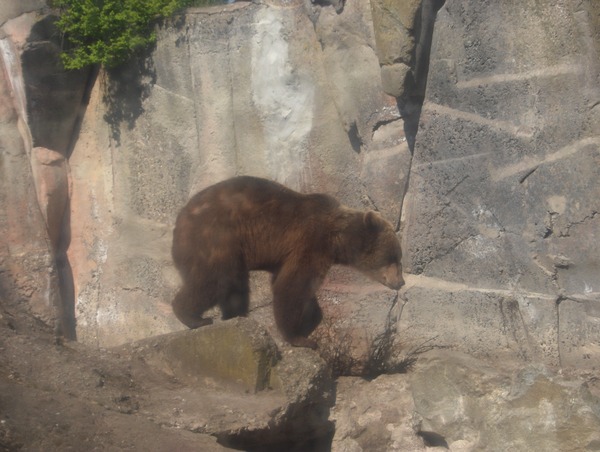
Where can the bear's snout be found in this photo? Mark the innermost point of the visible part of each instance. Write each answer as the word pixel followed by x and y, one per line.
pixel 392 277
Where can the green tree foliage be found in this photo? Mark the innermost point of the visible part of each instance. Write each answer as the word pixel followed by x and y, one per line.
pixel 108 32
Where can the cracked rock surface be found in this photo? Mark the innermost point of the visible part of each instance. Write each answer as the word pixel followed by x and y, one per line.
pixel 500 220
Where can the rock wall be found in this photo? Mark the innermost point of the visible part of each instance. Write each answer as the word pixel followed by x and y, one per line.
pixel 500 221
pixel 264 89
pixel 499 224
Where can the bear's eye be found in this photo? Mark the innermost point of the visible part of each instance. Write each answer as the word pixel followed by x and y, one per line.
pixel 391 258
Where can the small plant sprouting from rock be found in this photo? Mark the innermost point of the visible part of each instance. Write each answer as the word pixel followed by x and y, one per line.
pixel 349 354
pixel 386 355
pixel 381 354
pixel 336 344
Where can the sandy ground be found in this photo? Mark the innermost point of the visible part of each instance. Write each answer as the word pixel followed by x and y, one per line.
pixel 69 397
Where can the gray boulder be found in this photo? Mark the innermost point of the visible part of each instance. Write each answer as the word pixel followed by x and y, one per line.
pixel 454 402
pixel 238 386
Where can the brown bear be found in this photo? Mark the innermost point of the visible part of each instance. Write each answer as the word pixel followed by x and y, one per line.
pixel 247 223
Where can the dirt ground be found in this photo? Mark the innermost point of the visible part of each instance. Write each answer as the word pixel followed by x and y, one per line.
pixel 69 397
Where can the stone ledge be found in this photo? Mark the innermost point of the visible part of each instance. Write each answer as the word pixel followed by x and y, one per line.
pixel 231 381
pixel 238 351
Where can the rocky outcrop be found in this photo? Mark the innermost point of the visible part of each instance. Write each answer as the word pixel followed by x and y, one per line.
pixel 282 397
pixel 403 32
pixel 157 395
pixel 454 402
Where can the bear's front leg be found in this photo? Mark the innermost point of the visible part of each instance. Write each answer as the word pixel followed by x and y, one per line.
pixel 311 317
pixel 295 306
pixel 189 310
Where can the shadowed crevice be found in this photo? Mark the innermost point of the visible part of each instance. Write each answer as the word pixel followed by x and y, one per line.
pixel 411 103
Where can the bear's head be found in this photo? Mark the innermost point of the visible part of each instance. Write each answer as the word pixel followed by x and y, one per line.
pixel 373 248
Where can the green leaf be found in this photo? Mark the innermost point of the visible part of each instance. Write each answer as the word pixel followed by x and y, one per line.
pixel 108 32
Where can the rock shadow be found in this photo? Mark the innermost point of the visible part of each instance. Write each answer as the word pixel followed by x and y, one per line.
pixel 125 89
pixel 411 103
pixel 67 321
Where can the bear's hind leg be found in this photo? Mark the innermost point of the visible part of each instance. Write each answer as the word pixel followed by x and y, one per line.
pixel 237 300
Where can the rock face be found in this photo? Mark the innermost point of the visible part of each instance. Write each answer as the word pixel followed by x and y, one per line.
pixel 403 32
pixel 42 104
pixel 27 272
pixel 394 34
pixel 240 89
pixel 500 222
pixel 50 172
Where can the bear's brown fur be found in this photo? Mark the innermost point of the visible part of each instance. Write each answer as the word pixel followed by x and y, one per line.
pixel 247 223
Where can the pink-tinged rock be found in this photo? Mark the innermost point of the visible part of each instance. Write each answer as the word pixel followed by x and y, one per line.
pixel 28 274
pixel 51 177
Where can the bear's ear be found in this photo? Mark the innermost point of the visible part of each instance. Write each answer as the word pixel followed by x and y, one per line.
pixel 373 221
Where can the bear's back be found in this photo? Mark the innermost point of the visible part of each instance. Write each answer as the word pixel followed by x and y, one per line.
pixel 243 197
pixel 262 218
